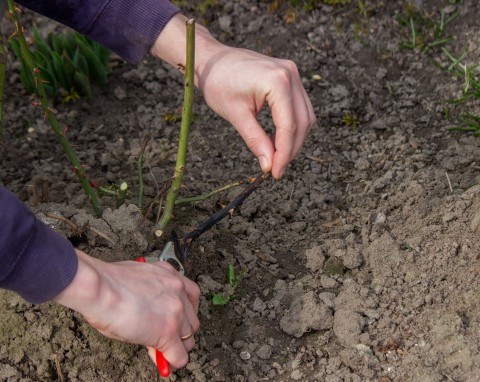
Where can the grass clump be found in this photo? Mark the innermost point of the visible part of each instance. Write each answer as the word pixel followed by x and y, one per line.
pixel 350 120
pixel 425 31
pixel 337 2
pixel 68 62
pixel 471 123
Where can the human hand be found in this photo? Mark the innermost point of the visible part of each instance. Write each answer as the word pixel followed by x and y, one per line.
pixel 146 304
pixel 236 84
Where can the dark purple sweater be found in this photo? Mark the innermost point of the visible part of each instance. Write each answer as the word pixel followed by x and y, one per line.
pixel 35 261
pixel 128 27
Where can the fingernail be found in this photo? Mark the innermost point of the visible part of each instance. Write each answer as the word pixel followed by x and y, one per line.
pixel 264 164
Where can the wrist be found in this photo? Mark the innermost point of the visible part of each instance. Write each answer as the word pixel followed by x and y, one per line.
pixel 206 46
pixel 87 291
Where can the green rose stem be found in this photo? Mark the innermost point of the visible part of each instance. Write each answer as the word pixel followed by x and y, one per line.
pixel 200 198
pixel 140 161
pixel 49 113
pixel 184 131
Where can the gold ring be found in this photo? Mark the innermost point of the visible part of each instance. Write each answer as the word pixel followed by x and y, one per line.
pixel 188 336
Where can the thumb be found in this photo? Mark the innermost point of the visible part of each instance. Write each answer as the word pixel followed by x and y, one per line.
pixel 257 140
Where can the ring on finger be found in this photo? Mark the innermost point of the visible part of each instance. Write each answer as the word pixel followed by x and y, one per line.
pixel 189 335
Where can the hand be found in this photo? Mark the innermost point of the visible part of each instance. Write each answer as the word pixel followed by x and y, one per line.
pixel 236 83
pixel 146 304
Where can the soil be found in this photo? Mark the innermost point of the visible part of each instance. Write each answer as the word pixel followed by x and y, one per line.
pixel 361 264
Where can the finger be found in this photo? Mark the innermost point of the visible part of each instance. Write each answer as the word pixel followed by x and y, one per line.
pixel 151 354
pixel 175 353
pixel 256 138
pixel 187 335
pixel 191 319
pixel 160 361
pixel 281 104
pixel 193 293
pixel 305 118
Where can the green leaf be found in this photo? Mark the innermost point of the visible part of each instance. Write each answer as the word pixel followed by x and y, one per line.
pixel 69 44
pixel 82 83
pixel 68 64
pixel 61 72
pixel 25 75
pixel 231 275
pixel 219 299
pixel 40 43
pixel 55 42
pixel 83 64
pixel 95 66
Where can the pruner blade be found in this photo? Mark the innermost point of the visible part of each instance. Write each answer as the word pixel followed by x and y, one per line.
pixel 171 253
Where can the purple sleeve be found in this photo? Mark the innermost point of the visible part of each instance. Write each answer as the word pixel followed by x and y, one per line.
pixel 128 27
pixel 35 261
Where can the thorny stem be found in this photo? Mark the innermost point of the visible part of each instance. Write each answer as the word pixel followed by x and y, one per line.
pixel 140 171
pixel 200 198
pixel 184 131
pixel 49 112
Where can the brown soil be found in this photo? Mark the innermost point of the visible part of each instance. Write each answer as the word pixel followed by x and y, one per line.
pixel 361 264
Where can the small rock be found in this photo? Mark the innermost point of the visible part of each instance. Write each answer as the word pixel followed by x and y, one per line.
pixel 295 364
pixel 266 257
pixel 191 366
pixel 315 258
pixel 214 362
pixel 475 222
pixel 256 24
pixel 298 226
pixel 334 266
pixel 245 355
pixel 296 375
pixel 306 313
pixel 259 305
pixel 208 285
pixel 347 326
pixel 380 218
pixel 327 282
pixel 327 298
pixel 120 93
pixel 224 23
pixel 353 258
pixel 7 371
pixel 264 351
pixel 238 344
pixel 339 92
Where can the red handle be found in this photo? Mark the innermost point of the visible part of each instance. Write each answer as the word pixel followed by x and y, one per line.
pixel 162 364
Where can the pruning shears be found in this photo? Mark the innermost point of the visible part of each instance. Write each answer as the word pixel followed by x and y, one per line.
pixel 176 253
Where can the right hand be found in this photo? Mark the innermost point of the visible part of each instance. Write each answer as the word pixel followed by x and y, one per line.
pixel 146 304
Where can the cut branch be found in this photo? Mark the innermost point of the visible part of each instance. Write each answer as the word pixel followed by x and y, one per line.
pixel 225 211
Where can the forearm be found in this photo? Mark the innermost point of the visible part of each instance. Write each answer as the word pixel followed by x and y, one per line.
pixel 128 28
pixel 35 261
pixel 206 47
